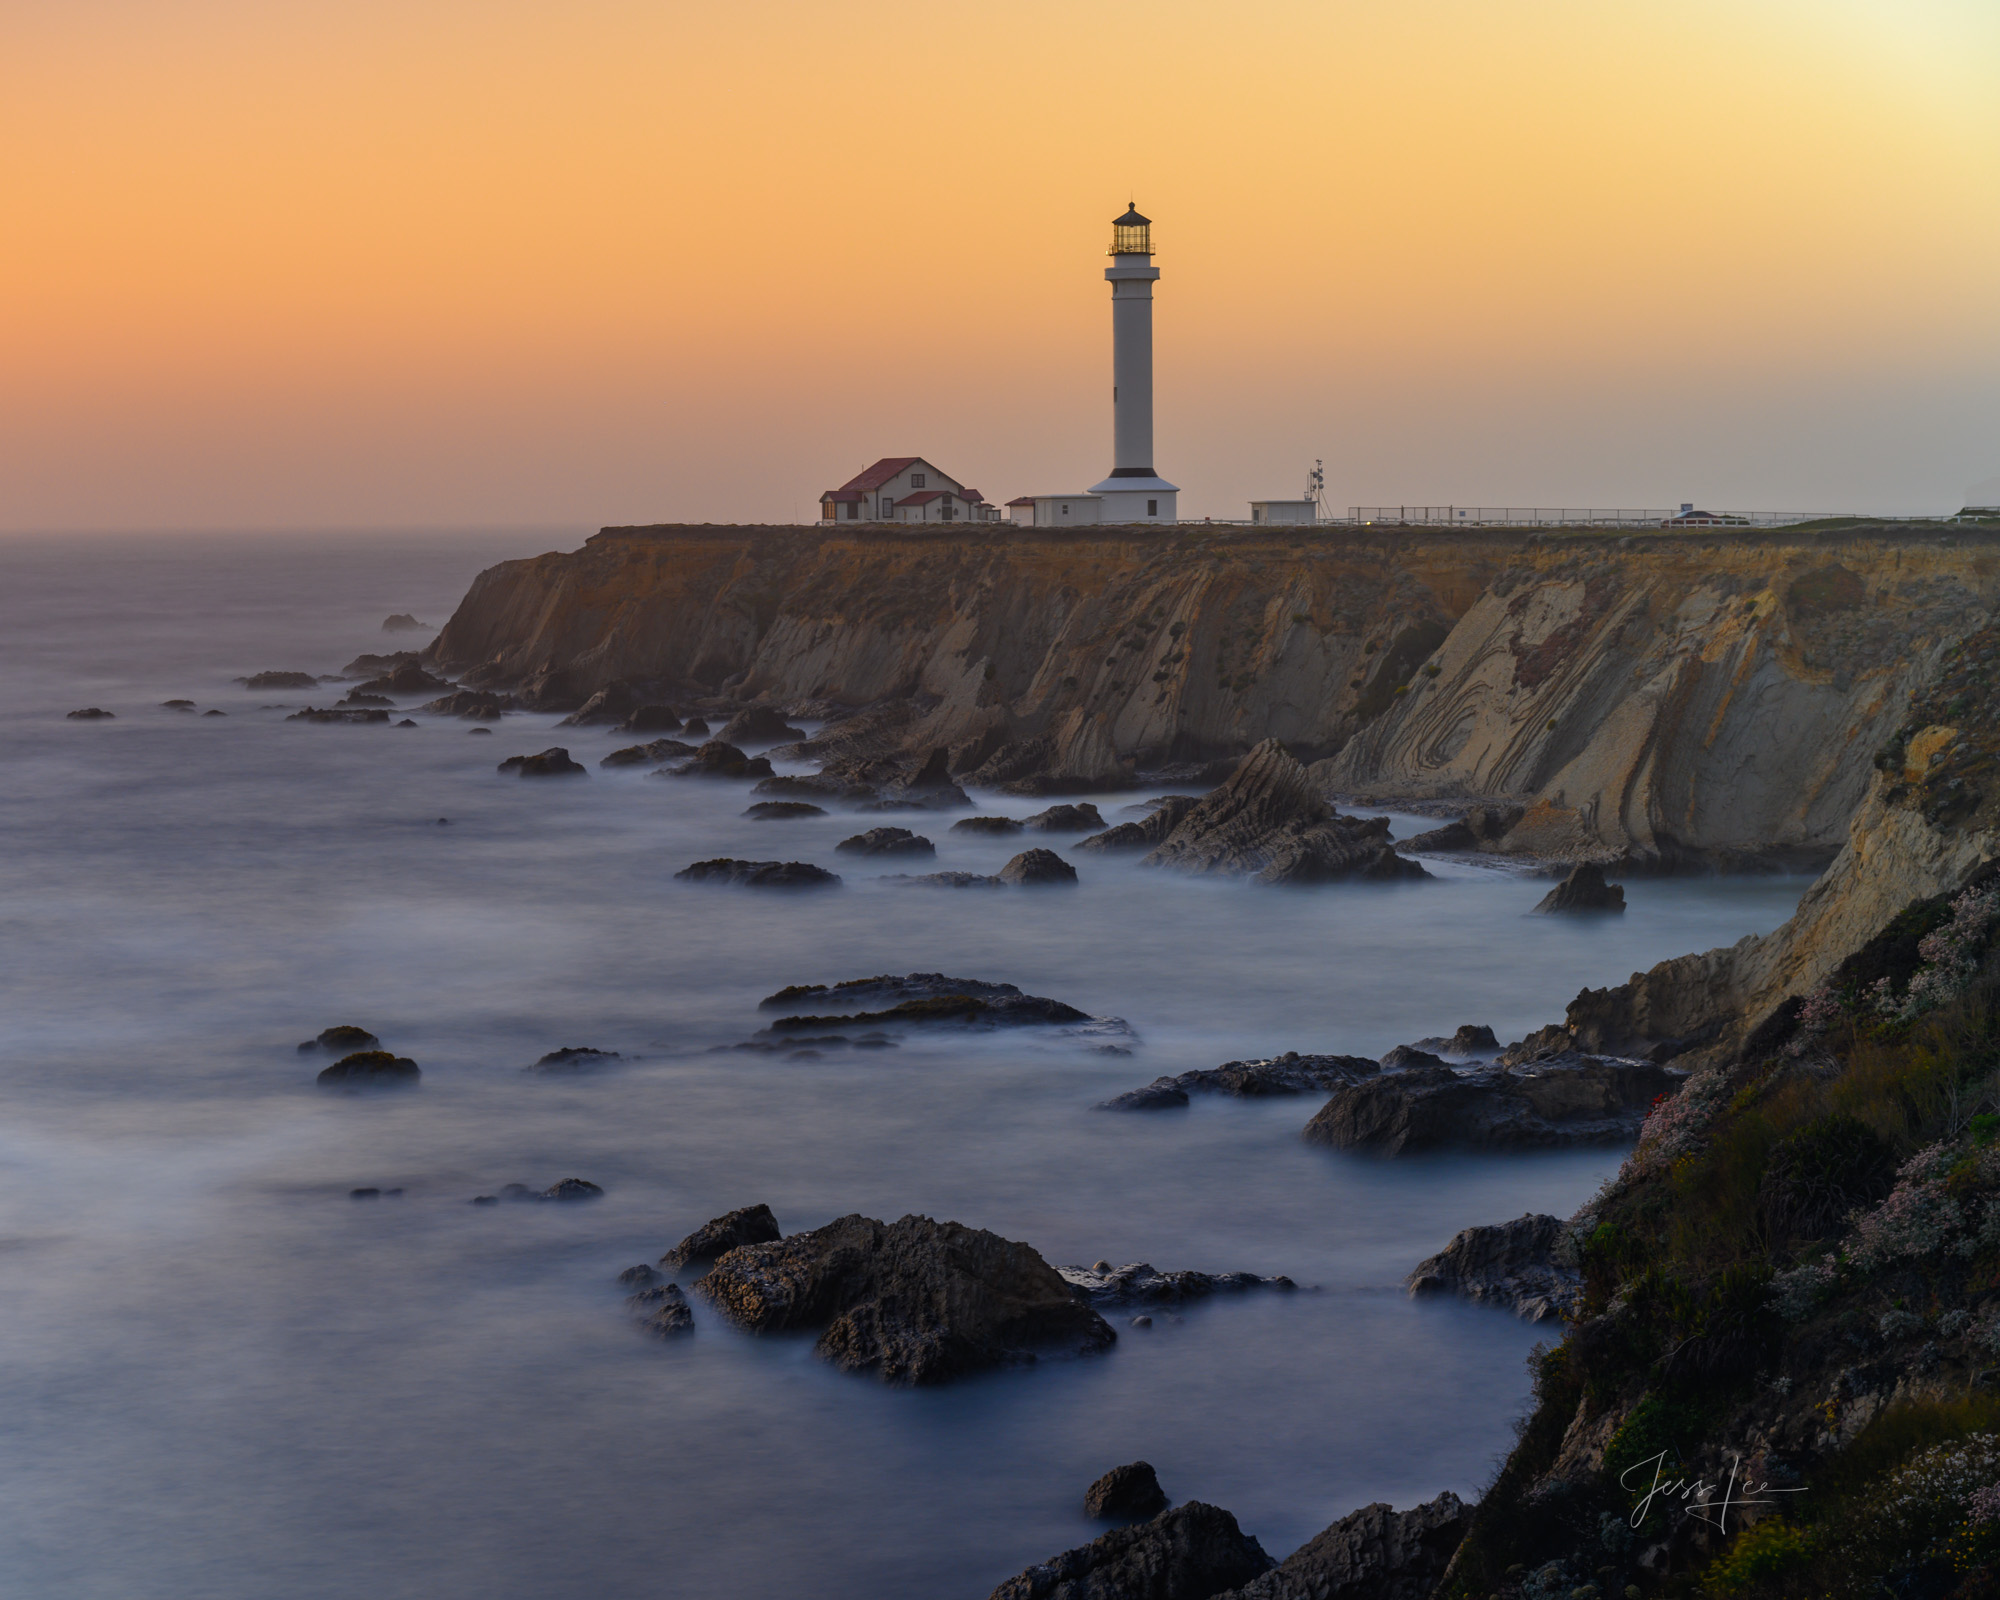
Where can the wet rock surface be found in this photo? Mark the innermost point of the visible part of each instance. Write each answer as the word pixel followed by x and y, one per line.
pixel 1583 890
pixel 783 810
pixel 814 786
pixel 407 678
pixel 965 1010
pixel 760 725
pixel 1037 869
pixel 1126 1492
pixel 1192 1552
pixel 1270 824
pixel 718 759
pixel 339 714
pixel 365 666
pixel 575 1058
pixel 1290 1073
pixel 639 755
pixel 884 989
pixel 944 880
pixel 1510 1264
pixel 1470 1041
pixel 887 842
pixel 554 762
pixel 1145 832
pixel 342 1040
pixel 1138 1282
pixel 280 680
pixel 995 825
pixel 650 718
pixel 662 1310
pixel 720 1235
pixel 1376 1553
pixel 1563 1100
pixel 759 874
pixel 612 703
pixel 915 1301
pixel 371 1069
pixel 472 705
pixel 1080 818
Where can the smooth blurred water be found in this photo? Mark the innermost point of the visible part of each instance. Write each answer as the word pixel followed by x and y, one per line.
pixel 223 1378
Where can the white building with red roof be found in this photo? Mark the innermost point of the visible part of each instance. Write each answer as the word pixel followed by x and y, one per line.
pixel 904 489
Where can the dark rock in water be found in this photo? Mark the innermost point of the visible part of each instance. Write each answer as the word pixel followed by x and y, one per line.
pixel 338 714
pixel 573 1189
pixel 177 705
pixel 1565 1100
pixel 814 786
pixel 944 880
pixel 1479 827
pixel 90 714
pixel 1269 823
pixel 551 763
pixel 473 705
pixel 719 760
pixel 1037 867
pixel 696 725
pixel 1125 1493
pixel 931 787
pixel 889 989
pixel 1193 1552
pixel 408 678
pixel 1148 831
pixel 1402 1057
pixel 783 811
pixel 1544 1042
pixel 345 1039
pixel 1583 890
pixel 639 755
pixel 1104 1284
pixel 575 1058
pixel 404 723
pixel 662 1310
pixel 887 842
pixel 479 730
pixel 650 719
pixel 403 622
pixel 280 680
pixel 759 874
pixel 913 1301
pixel 720 1235
pixel 1376 1553
pixel 1290 1073
pixel 1511 1264
pixel 1471 1040
pixel 354 697
pixel 613 703
pixel 639 1277
pixel 369 666
pixel 760 725
pixel 371 1069
pixel 364 1194
pixel 984 1007
pixel 987 825
pixel 1066 819
pixel 212 712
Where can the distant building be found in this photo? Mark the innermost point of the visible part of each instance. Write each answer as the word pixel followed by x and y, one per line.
pixel 904 489
pixel 1283 511
pixel 1691 516
pixel 1059 510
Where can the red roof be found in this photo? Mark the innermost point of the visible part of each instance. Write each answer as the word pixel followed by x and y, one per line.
pixel 841 495
pixel 1022 500
pixel 923 499
pixel 972 496
pixel 879 474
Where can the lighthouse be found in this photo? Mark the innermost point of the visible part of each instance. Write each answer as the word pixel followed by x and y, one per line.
pixel 1134 492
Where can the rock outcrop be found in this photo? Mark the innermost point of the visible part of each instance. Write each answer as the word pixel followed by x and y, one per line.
pixel 662 1310
pixel 1126 1493
pixel 1376 1553
pixel 90 714
pixel 1511 1264
pixel 362 714
pixel 718 759
pixel 720 1235
pixel 1584 890
pixel 1192 1552
pixel 759 725
pixel 472 705
pixel 407 678
pixel 782 810
pixel 1081 818
pixel 996 825
pixel 1290 1073
pixel 651 753
pixel 1566 1100
pixel 759 874
pixel 342 1040
pixel 1146 832
pixel 1270 824
pixel 914 1301
pixel 575 1058
pixel 371 1069
pixel 280 680
pixel 1138 1282
pixel 554 762
pixel 1034 868
pixel 887 842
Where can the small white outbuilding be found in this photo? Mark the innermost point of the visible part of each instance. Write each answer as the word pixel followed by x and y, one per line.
pixel 1283 511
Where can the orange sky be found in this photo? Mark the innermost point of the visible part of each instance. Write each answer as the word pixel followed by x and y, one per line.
pixel 486 261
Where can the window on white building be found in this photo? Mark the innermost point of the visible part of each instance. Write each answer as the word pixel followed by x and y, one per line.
pixel 916 480
pixel 1152 508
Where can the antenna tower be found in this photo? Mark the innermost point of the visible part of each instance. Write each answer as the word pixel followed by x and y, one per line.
pixel 1316 490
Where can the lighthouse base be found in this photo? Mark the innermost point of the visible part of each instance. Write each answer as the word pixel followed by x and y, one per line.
pixel 1137 499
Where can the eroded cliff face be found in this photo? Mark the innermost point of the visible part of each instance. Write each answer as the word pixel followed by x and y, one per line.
pixel 1671 699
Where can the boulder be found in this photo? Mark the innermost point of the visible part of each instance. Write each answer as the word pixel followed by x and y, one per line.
pixel 1554 1039
pixel 1511 1264
pixel 759 874
pixel 884 988
pixel 661 1310
pixel 650 719
pixel 639 755
pixel 339 714
pixel 887 842
pixel 987 825
pixel 1104 1284
pixel 368 666
pixel 407 678
pixel 551 763
pixel 929 788
pixel 575 1058
pixel 814 786
pixel 913 1301
pixel 354 697
pixel 613 703
pixel 177 705
pixel 960 1010
pixel 1081 818
pixel 1376 1553
pixel 212 712
pixel 1037 867
pixel 573 1189
pixel 720 1235
pixel 1560 1101
pixel 1583 890
pixel 1290 1073
pixel 371 1069
pixel 1269 823
pixel 1192 1552
pixel 280 680
pixel 1147 831
pixel 91 714
pixel 1125 1494
pixel 717 759
pixel 943 880
pixel 473 705
pixel 760 725
pixel 1471 1040
pixel 345 1039
pixel 1402 1057
pixel 403 622
pixel 783 811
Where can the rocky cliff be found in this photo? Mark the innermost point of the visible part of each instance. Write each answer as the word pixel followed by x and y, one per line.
pixel 1668 699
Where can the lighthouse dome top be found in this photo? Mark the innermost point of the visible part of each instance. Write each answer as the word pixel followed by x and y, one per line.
pixel 1131 234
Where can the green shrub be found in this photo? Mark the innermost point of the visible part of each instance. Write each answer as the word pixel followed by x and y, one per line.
pixel 1771 1549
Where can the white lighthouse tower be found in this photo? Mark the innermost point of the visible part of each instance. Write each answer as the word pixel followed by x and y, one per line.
pixel 1134 492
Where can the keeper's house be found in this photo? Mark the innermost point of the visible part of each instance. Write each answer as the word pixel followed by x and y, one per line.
pixel 904 489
